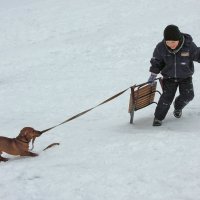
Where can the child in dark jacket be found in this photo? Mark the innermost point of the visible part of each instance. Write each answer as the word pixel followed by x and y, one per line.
pixel 173 58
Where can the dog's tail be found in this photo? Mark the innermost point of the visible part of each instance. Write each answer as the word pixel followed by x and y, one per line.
pixel 51 145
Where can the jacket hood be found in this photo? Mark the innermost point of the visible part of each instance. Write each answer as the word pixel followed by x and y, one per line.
pixel 188 38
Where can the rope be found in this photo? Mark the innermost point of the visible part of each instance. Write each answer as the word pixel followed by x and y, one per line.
pixel 106 101
pixel 86 111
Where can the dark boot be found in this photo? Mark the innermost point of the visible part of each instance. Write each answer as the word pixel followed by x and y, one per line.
pixel 177 113
pixel 157 122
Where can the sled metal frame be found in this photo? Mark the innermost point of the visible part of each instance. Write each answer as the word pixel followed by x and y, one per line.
pixel 142 96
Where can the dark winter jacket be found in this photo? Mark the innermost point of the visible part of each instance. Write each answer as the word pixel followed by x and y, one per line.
pixel 176 63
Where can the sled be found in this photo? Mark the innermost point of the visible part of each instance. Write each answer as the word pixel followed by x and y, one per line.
pixel 142 96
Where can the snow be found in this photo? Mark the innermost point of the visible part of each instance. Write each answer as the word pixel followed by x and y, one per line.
pixel 58 58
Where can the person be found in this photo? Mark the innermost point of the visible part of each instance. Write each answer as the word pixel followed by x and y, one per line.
pixel 173 57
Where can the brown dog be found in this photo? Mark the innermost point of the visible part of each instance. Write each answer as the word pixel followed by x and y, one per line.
pixel 20 144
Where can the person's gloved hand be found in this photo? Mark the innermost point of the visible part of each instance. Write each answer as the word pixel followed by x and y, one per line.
pixel 152 78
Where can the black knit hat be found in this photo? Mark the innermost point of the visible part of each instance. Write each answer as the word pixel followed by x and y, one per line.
pixel 172 32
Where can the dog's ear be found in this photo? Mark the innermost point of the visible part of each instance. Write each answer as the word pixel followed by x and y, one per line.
pixel 27 131
pixel 23 132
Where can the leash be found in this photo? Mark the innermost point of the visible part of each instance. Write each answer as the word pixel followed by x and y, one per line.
pixel 86 111
pixel 90 109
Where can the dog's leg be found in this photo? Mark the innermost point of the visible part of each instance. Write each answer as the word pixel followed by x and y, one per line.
pixel 28 153
pixel 2 158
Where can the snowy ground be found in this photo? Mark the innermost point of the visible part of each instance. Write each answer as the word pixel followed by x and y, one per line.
pixel 58 58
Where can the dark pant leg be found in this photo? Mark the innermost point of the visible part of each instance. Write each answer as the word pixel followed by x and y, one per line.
pixel 169 91
pixel 186 93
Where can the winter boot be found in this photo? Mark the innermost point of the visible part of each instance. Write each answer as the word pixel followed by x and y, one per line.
pixel 177 113
pixel 157 122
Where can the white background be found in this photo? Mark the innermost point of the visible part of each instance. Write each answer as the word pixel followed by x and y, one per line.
pixel 58 58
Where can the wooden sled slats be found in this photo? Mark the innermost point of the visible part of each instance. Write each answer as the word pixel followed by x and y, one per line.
pixel 141 97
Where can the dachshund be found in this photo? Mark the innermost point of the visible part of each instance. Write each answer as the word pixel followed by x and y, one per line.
pixel 20 144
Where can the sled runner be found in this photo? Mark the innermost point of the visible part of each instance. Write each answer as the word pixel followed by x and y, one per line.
pixel 142 96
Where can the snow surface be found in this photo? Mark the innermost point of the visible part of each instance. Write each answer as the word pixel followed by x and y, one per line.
pixel 58 58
